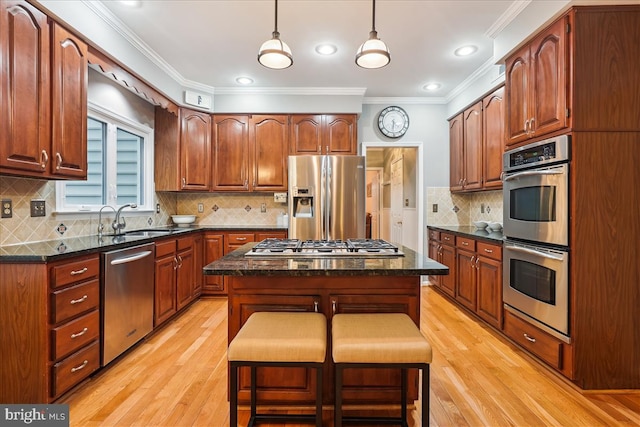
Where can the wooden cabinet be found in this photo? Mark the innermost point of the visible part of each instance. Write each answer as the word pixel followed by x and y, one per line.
pixel 213 249
pixel 269 143
pixel 537 85
pixel 476 140
pixel 182 150
pixel 175 281
pixel 261 235
pixel 198 263
pixel 489 283
pixel 43 95
pixel 442 249
pixel 466 280
pixel 324 134
pixel 51 333
pixel 493 139
pixel 231 153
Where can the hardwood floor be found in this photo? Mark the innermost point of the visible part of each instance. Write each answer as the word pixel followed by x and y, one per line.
pixel 178 377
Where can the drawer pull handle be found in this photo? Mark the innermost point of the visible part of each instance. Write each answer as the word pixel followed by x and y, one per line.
pixel 315 306
pixel 81 333
pixel 465 243
pixel 79 300
pixel 532 339
pixel 76 272
pixel 242 239
pixel 334 306
pixel 77 368
pixel 489 251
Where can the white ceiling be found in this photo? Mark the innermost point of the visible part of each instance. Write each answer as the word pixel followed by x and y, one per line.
pixel 211 42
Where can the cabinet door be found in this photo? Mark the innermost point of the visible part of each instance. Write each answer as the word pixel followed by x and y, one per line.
pixel 548 85
pixel 493 139
pixel 195 150
pixel 278 384
pixel 490 291
pixel 166 156
pixel 185 280
pixel 165 289
pixel 198 259
pixel 466 286
pixel 213 249
pixel 69 71
pixel 231 158
pixel 269 136
pixel 305 134
pixel 434 254
pixel 472 147
pixel 456 167
pixel 25 90
pixel 448 258
pixel 340 134
pixel 517 96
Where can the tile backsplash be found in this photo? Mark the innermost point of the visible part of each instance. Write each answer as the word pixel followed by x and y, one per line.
pixel 462 209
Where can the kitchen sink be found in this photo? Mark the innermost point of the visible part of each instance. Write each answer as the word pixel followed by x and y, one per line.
pixel 147 233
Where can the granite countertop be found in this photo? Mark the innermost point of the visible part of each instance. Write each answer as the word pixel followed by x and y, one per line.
pixel 51 250
pixel 411 264
pixel 471 231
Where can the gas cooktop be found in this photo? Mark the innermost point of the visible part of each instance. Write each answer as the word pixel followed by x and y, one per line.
pixel 321 248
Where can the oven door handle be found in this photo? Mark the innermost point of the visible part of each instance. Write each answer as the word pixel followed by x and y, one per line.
pixel 534 252
pixel 533 173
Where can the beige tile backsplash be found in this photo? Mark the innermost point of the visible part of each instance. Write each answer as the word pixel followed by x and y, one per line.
pixel 234 209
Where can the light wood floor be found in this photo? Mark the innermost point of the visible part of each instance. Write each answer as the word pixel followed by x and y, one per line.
pixel 178 378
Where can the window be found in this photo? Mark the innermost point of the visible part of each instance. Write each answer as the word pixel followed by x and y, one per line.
pixel 119 166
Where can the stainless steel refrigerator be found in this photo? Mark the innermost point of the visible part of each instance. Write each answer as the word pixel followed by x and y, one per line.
pixel 326 197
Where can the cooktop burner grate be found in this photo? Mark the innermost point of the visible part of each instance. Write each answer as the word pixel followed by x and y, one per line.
pixel 297 247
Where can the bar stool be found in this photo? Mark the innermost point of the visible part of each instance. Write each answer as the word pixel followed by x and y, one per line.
pixel 282 339
pixel 379 340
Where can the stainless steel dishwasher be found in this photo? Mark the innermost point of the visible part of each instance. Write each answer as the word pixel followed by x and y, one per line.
pixel 127 298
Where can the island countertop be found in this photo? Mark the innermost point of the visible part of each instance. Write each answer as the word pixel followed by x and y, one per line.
pixel 411 264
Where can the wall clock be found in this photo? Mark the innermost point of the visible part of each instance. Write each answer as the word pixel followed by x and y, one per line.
pixel 393 122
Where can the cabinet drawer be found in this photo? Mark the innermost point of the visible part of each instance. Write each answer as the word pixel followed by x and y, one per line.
pixel 73 335
pixel 239 238
pixel 489 251
pixel 533 339
pixel 434 235
pixel 165 247
pixel 447 238
pixel 75 271
pixel 184 243
pixel 75 368
pixel 465 243
pixel 69 302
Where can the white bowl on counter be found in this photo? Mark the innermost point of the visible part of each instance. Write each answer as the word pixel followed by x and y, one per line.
pixel 480 225
pixel 495 226
pixel 183 220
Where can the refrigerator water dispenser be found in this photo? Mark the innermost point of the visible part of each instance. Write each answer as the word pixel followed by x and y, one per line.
pixel 303 202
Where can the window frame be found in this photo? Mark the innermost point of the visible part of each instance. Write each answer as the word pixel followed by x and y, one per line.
pixel 114 121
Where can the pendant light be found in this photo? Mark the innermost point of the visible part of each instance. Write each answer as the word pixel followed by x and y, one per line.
pixel 373 53
pixel 275 53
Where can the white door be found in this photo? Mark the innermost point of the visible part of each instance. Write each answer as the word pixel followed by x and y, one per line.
pixel 397 196
pixel 374 200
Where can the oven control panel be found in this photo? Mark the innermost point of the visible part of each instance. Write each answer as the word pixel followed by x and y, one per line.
pixel 555 150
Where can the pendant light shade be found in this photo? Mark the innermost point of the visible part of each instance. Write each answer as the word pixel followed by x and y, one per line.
pixel 275 53
pixel 373 53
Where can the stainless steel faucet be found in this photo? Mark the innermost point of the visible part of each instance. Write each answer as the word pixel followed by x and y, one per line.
pixel 117 224
pixel 100 224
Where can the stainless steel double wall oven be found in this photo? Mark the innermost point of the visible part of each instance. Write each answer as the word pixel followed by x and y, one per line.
pixel 536 227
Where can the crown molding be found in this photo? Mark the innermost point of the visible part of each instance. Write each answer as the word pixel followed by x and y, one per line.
pixel 471 79
pixel 436 100
pixel 333 91
pixel 506 18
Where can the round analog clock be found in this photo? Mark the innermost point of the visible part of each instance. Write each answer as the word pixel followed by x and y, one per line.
pixel 393 122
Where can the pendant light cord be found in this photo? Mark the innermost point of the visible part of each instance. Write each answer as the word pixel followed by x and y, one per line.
pixel 275 31
pixel 373 19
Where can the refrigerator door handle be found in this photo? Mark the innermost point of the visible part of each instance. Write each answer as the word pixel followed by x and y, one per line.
pixel 328 233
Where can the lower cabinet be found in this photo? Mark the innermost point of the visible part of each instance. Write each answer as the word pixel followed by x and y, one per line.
pixel 442 249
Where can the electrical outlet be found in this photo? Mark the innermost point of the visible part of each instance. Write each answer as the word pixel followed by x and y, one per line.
pixel 263 207
pixel 200 207
pixel 434 208
pixel 38 208
pixel 7 208
pixel 157 207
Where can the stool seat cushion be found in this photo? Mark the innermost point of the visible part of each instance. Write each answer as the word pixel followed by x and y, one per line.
pixel 378 338
pixel 281 337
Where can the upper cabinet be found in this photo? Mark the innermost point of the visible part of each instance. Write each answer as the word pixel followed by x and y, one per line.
pixel 182 150
pixel 43 95
pixel 324 134
pixel 476 138
pixel 250 152
pixel 537 85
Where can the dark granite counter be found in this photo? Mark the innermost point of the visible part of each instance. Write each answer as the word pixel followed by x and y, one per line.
pixel 411 264
pixel 51 250
pixel 471 231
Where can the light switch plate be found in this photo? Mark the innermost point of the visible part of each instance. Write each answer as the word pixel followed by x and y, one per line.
pixel 38 208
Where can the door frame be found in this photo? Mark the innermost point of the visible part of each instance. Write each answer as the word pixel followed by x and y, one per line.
pixel 419 145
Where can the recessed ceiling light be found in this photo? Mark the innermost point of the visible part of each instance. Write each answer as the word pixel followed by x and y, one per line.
pixel 244 80
pixel 326 49
pixel 432 86
pixel 465 50
pixel 131 3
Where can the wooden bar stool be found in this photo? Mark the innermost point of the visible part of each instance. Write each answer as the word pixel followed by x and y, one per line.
pixel 282 339
pixel 379 340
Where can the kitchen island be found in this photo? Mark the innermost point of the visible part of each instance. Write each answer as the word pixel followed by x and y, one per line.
pixel 330 285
